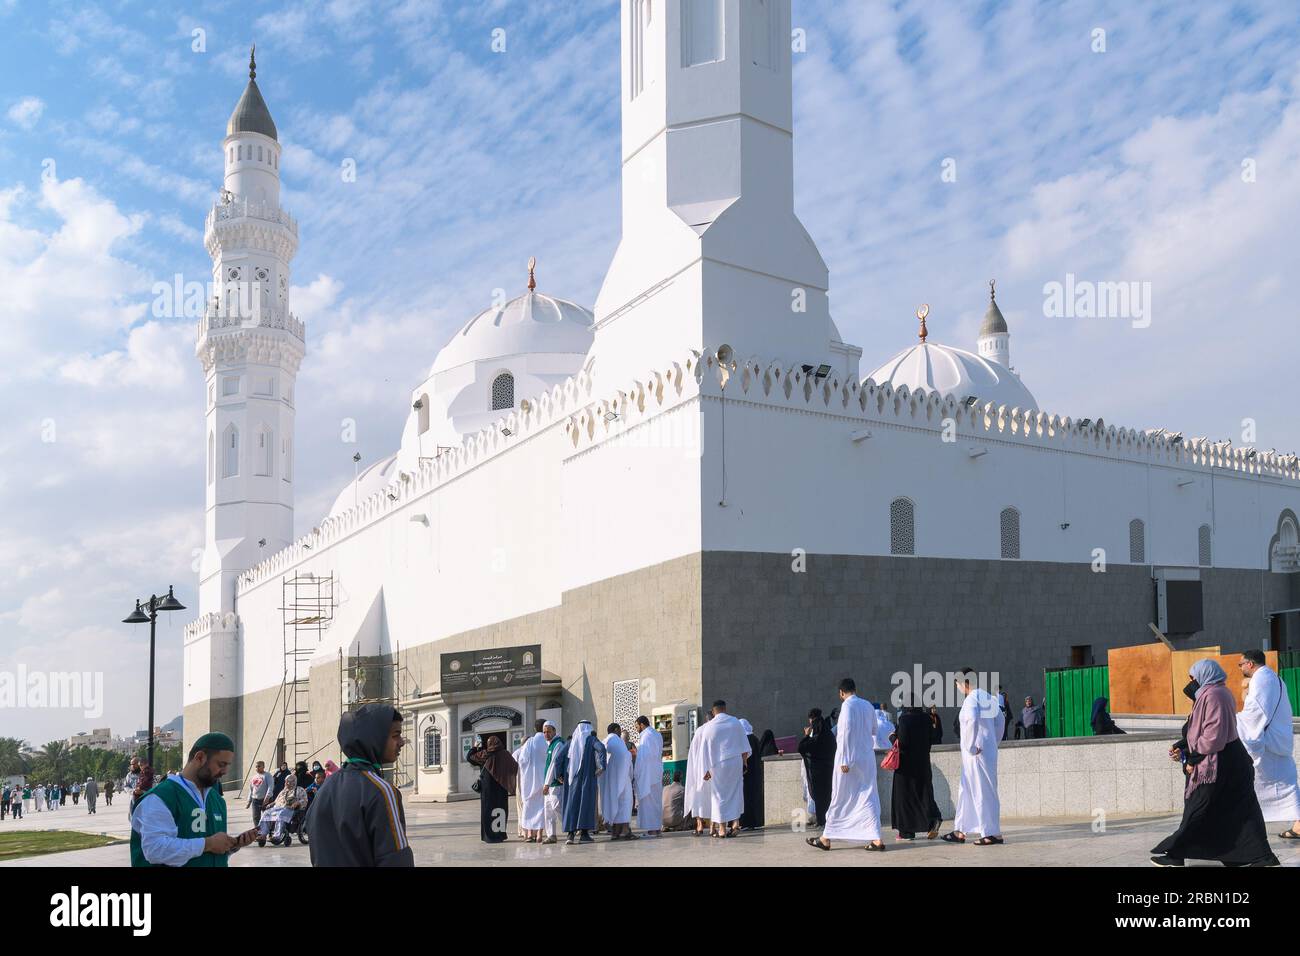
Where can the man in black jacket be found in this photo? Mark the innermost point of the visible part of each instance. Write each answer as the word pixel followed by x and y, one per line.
pixel 357 818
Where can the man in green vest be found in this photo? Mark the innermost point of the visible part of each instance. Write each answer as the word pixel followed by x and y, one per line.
pixel 182 821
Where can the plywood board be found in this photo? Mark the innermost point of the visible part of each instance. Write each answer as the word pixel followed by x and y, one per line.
pixel 1236 683
pixel 1139 679
pixel 1180 663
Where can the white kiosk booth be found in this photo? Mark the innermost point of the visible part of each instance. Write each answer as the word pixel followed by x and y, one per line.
pixel 500 691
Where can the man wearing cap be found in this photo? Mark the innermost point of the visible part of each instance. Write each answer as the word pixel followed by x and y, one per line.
pixel 182 821
pixel 553 781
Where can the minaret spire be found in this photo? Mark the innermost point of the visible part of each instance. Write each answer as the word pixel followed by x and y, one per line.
pixel 252 62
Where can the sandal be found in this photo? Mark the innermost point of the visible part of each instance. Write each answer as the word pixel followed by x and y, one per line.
pixel 990 841
pixel 875 847
pixel 816 842
pixel 953 838
pixel 1289 834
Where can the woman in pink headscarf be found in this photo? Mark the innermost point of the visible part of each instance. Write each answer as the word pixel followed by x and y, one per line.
pixel 331 768
pixel 1221 817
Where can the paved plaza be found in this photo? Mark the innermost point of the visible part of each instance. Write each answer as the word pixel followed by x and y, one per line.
pixel 447 834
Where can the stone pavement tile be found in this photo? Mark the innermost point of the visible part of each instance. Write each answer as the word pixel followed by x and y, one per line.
pixel 447 835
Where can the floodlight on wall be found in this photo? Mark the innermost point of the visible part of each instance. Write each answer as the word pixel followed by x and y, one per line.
pixel 420 518
pixel 261 542
pixel 970 400
pixel 820 372
pixel 611 416
pixel 357 457
pixel 1184 482
pixel 1085 422
pixel 860 435
pixel 418 404
pixel 506 431
pixel 977 452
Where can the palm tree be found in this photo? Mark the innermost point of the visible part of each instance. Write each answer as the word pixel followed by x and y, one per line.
pixel 12 761
pixel 54 760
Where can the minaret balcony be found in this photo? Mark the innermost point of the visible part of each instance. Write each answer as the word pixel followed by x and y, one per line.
pixel 215 320
pixel 238 209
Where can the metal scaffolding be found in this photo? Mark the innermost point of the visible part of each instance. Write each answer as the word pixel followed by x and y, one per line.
pixel 307 609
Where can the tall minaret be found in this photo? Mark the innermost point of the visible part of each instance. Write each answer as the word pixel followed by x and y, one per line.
pixel 251 347
pixel 994 340
pixel 712 251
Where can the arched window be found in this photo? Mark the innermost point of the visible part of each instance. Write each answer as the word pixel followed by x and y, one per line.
pixel 902 526
pixel 433 747
pixel 503 391
pixel 1137 541
pixel 424 413
pixel 212 457
pixel 1285 554
pixel 264 452
pixel 230 452
pixel 1009 522
pixel 1203 546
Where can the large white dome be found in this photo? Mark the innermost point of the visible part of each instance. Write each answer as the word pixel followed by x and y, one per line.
pixel 956 373
pixel 533 322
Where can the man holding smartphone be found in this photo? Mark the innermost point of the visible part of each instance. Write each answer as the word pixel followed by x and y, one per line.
pixel 182 821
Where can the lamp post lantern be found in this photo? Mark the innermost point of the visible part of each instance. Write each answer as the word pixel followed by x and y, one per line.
pixel 148 611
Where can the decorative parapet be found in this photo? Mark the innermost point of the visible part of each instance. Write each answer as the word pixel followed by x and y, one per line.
pixel 775 384
pixel 205 624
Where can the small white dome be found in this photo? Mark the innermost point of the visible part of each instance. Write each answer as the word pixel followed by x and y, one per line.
pixel 533 322
pixel 956 373
pixel 372 478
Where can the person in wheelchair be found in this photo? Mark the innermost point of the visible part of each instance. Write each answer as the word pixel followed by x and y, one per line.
pixel 286 814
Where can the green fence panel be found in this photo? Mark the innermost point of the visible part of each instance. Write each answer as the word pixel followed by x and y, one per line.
pixel 1287 660
pixel 1068 694
pixel 1291 678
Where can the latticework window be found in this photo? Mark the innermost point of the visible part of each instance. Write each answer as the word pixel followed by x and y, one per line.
pixel 1010 524
pixel 1137 541
pixel 1203 545
pixel 902 526
pixel 432 748
pixel 627 705
pixel 503 391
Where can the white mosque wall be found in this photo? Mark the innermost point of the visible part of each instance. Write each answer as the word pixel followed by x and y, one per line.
pixel 513 522
pixel 796 478
pixel 585 490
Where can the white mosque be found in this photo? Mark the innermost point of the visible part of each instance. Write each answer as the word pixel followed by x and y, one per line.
pixel 689 491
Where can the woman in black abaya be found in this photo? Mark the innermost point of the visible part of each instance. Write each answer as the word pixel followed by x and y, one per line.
pixel 753 815
pixel 912 808
pixel 1221 816
pixel 817 748
pixel 496 786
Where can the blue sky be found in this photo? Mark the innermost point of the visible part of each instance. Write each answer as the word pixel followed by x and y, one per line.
pixel 1122 165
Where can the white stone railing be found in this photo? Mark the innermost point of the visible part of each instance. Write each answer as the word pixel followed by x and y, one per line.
pixel 250 209
pixel 263 317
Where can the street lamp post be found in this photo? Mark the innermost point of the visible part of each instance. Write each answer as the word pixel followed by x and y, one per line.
pixel 149 612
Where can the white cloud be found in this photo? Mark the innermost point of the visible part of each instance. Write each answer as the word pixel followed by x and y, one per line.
pixel 26 111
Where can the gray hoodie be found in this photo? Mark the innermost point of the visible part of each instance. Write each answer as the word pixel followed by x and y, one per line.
pixel 357 818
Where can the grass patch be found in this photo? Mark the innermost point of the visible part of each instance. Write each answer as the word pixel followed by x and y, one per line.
pixel 40 842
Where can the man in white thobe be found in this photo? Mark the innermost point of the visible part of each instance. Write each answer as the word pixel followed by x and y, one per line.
pixel 724 748
pixel 1264 726
pixel 981 722
pixel 648 777
pixel 552 784
pixel 854 811
pixel 616 786
pixel 532 773
pixel 699 792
